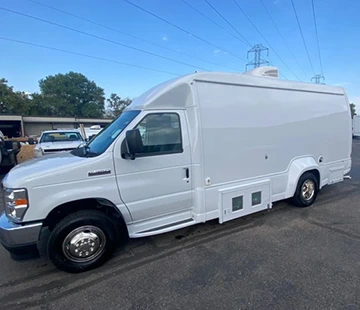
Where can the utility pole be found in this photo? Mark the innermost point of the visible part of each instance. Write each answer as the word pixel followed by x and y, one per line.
pixel 258 60
pixel 318 78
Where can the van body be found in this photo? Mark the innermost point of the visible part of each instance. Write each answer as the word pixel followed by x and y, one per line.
pixel 196 148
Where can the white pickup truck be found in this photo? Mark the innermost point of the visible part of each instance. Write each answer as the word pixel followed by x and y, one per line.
pixel 200 147
pixel 54 141
pixel 356 126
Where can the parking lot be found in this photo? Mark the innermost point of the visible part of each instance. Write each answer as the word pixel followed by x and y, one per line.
pixel 285 258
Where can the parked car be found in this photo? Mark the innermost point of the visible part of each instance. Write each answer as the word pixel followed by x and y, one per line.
pixel 55 141
pixel 213 146
pixel 356 126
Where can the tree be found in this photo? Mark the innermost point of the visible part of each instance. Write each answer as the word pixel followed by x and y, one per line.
pixel 12 102
pixel 38 106
pixel 70 94
pixel 116 105
pixel 353 109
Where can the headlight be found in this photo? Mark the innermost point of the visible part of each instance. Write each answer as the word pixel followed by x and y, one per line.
pixel 16 203
pixel 38 152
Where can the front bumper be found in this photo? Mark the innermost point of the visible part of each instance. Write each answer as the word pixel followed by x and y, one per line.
pixel 19 239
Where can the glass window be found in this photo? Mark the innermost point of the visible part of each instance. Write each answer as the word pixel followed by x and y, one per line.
pixel 107 136
pixel 161 133
pixel 256 198
pixel 61 136
pixel 237 203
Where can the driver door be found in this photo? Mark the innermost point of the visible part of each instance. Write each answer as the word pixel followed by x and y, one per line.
pixel 158 182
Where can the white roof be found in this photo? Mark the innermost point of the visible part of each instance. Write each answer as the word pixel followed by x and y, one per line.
pixel 159 96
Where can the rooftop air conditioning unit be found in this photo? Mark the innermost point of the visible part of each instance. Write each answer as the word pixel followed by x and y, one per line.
pixel 264 71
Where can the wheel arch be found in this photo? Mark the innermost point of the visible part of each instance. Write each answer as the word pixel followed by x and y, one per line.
pixel 297 168
pixel 100 204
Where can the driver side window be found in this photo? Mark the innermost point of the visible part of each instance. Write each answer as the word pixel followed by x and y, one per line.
pixel 160 134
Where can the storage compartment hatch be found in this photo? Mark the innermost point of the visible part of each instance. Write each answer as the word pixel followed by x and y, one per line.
pixel 242 200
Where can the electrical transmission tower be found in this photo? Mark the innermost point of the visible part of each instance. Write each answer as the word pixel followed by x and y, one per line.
pixel 258 60
pixel 317 78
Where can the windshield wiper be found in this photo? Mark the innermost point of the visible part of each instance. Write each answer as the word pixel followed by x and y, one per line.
pixel 87 152
pixel 86 149
pixel 83 151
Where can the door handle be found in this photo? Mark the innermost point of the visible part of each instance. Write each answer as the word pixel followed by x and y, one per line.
pixel 187 173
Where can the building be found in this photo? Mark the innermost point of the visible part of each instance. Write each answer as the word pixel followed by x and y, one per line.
pixel 17 125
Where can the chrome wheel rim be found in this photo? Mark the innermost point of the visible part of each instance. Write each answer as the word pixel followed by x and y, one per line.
pixel 308 190
pixel 84 244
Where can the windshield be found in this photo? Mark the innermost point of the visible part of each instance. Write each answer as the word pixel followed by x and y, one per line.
pixel 106 137
pixel 61 137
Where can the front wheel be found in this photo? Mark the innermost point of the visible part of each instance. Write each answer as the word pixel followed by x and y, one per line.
pixel 82 241
pixel 306 191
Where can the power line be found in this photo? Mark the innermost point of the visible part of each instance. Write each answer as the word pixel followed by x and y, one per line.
pixel 126 34
pixel 211 20
pixel 182 29
pixel 243 38
pixel 102 38
pixel 267 42
pixel 302 35
pixel 87 56
pixel 278 30
pixel 317 37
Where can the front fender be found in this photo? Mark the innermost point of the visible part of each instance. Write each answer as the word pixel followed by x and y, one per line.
pixel 297 168
pixel 43 199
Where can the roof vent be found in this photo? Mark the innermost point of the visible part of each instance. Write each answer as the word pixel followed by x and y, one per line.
pixel 264 71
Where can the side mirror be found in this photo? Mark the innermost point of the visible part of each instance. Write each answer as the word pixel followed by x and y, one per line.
pixel 134 142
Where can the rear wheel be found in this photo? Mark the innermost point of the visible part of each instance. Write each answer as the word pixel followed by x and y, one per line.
pixel 306 191
pixel 82 241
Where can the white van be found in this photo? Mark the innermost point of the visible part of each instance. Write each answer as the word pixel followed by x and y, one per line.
pixel 356 126
pixel 200 147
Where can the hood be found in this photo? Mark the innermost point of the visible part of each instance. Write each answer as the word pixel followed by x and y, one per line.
pixel 42 170
pixel 49 146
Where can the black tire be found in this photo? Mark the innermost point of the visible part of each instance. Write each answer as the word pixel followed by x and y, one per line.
pixel 299 200
pixel 97 220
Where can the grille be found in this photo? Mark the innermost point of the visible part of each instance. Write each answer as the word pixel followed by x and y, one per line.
pixel 57 150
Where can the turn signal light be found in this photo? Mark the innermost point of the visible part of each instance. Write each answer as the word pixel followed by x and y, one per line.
pixel 20 202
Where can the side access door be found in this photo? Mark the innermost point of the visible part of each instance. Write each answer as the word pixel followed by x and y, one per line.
pixel 158 182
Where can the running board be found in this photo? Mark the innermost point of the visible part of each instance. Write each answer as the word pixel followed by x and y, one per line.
pixel 163 228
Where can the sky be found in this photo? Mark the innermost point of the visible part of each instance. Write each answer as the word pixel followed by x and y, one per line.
pixel 122 33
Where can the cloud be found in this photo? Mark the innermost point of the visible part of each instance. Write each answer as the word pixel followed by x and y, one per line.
pixel 216 52
pixel 343 84
pixel 276 2
pixel 165 37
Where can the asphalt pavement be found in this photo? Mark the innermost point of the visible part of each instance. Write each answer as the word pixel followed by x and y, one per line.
pixel 285 258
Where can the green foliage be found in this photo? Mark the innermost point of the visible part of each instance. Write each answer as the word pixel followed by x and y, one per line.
pixel 12 102
pixel 353 109
pixel 71 94
pixel 116 105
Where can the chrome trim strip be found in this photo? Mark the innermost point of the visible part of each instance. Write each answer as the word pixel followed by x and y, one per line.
pixel 99 172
